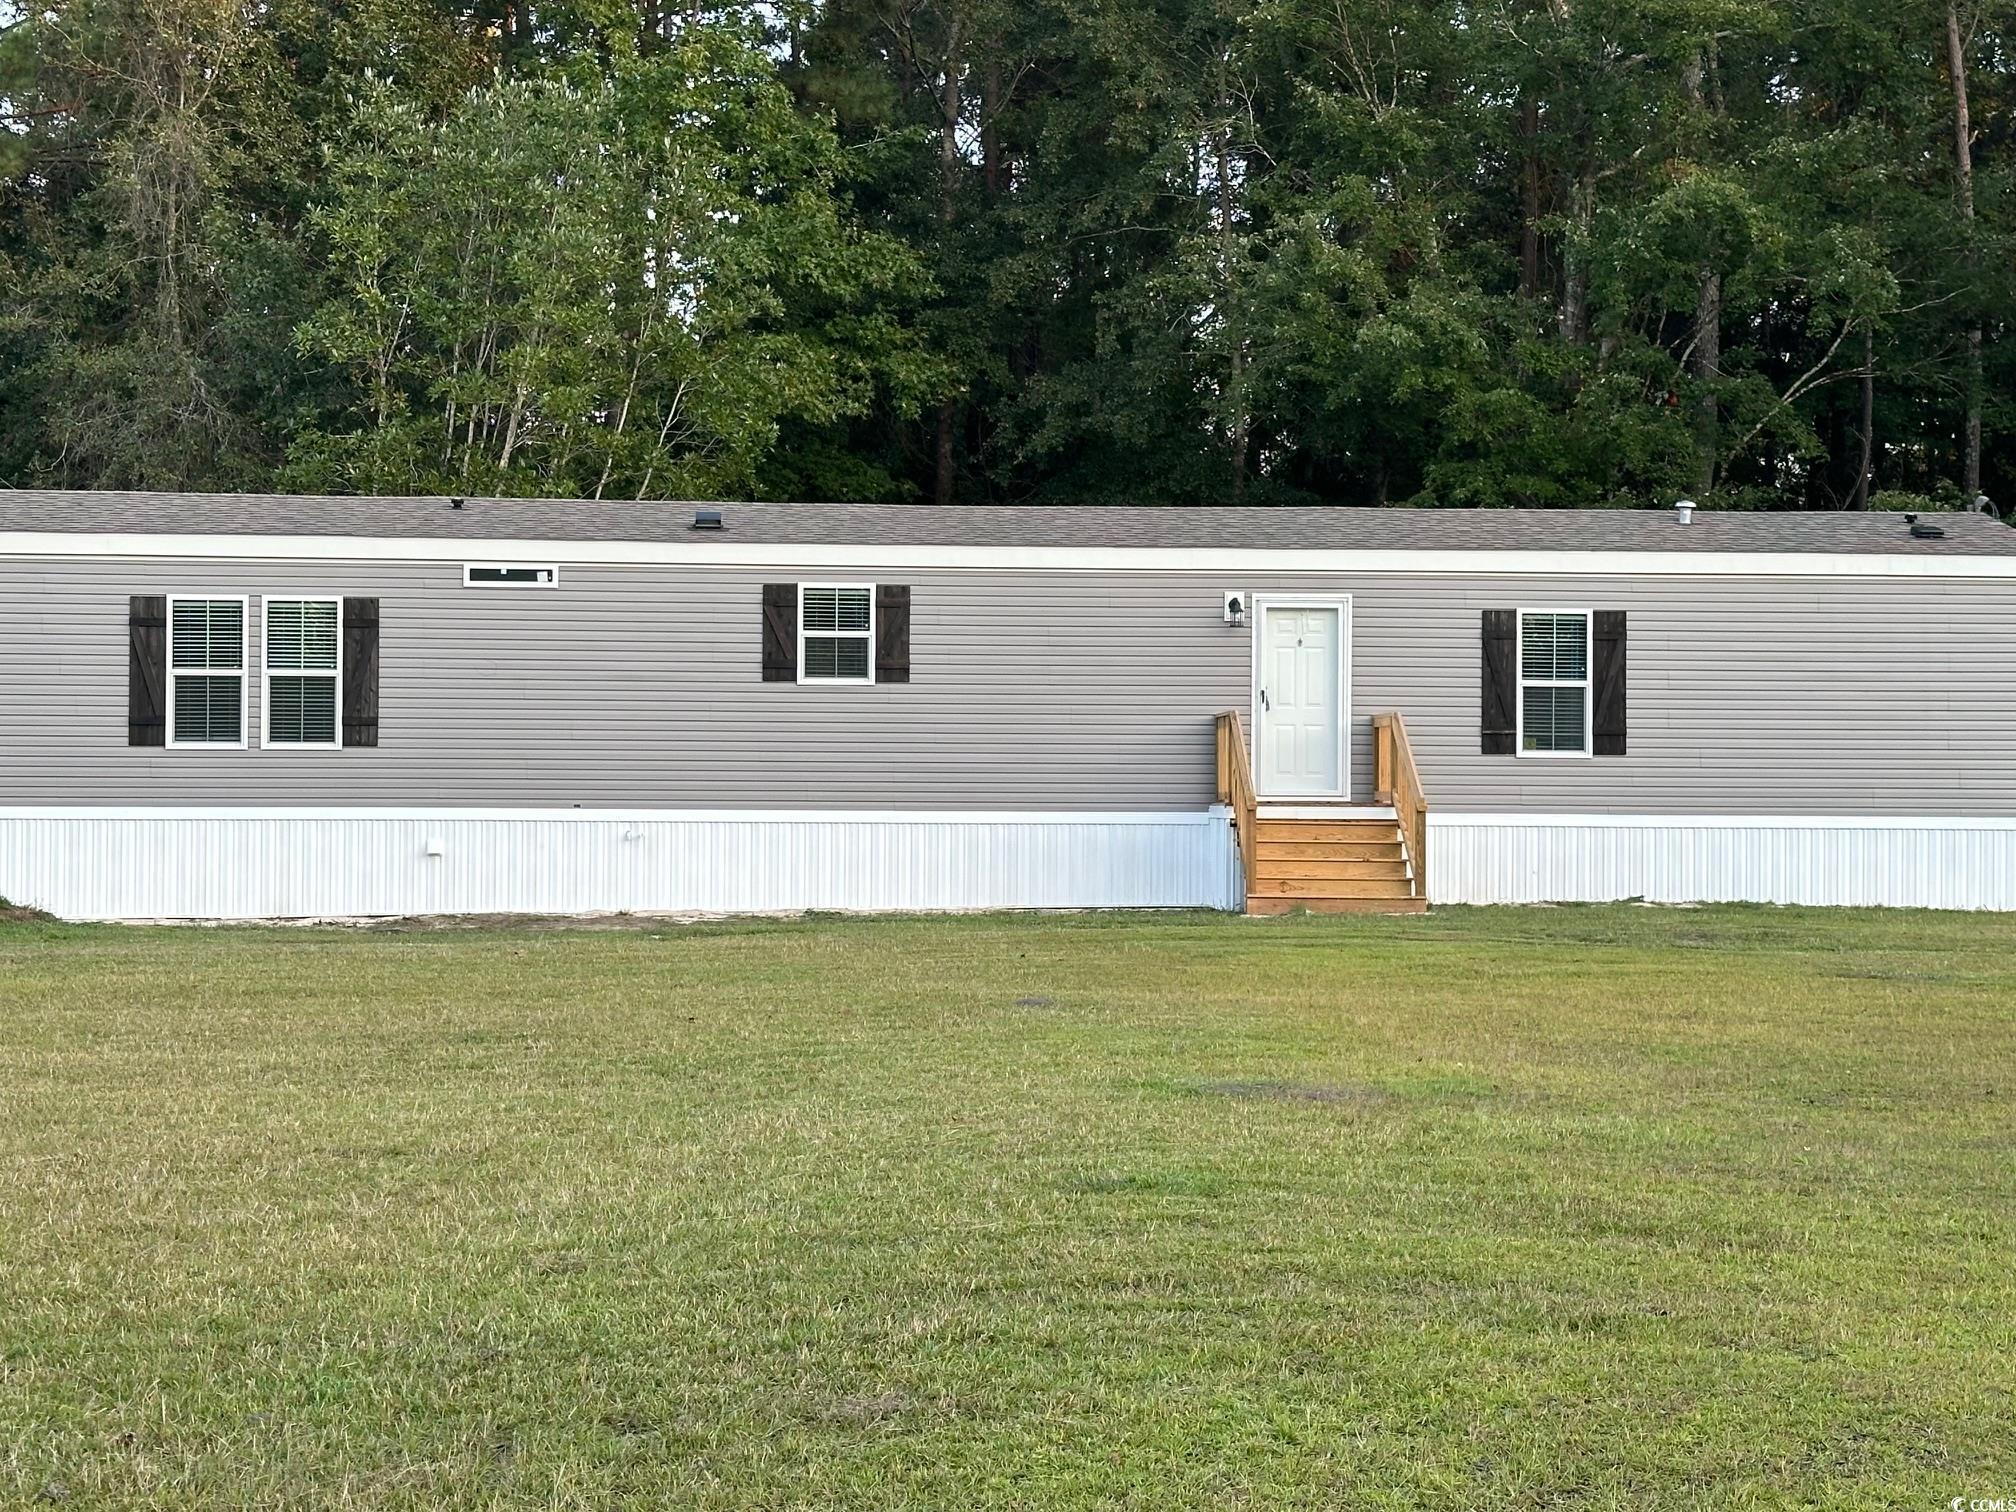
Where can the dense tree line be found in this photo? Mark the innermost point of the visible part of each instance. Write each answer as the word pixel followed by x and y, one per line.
pixel 1455 252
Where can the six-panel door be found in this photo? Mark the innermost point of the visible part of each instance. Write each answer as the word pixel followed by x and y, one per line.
pixel 1301 694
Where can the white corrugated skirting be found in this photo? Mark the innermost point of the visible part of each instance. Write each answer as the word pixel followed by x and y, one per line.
pixel 1592 858
pixel 213 863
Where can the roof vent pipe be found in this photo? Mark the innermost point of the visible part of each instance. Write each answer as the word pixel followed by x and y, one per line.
pixel 455 503
pixel 1683 511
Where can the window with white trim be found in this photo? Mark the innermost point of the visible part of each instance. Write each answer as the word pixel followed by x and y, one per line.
pixel 1554 702
pixel 836 631
pixel 304 669
pixel 206 671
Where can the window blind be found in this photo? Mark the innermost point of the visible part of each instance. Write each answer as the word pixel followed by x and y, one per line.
pixel 1553 683
pixel 206 671
pixel 207 634
pixel 209 710
pixel 303 663
pixel 1554 646
pixel 832 609
pixel 1556 718
pixel 834 625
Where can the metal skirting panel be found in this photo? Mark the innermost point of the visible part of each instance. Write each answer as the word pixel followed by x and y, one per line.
pixel 257 864
pixel 216 863
pixel 1591 858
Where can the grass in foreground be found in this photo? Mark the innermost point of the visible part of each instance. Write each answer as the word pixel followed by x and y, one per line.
pixel 1603 1207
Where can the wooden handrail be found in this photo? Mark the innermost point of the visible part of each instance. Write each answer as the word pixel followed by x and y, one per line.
pixel 1235 787
pixel 1398 781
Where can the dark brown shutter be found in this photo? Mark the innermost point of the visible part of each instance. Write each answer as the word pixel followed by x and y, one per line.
pixel 360 672
pixel 892 633
pixel 1499 720
pixel 146 670
pixel 1608 676
pixel 780 632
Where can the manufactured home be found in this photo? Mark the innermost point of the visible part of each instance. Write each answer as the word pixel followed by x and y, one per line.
pixel 239 707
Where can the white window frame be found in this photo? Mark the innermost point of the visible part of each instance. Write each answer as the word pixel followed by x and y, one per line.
pixel 244 604
pixel 469 569
pixel 266 673
pixel 868 635
pixel 1586 682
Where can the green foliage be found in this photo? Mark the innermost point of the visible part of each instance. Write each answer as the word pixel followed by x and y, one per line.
pixel 1899 499
pixel 620 284
pixel 1361 251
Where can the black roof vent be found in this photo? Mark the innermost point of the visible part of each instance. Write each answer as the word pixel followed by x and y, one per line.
pixel 707 519
pixel 455 503
pixel 1928 532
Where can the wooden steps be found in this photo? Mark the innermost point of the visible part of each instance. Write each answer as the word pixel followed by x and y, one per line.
pixel 1330 850
pixel 1337 905
pixel 1331 871
pixel 1350 864
pixel 1325 856
pixel 1328 831
pixel 1331 887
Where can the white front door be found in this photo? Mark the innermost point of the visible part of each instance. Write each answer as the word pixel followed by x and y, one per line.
pixel 1301 699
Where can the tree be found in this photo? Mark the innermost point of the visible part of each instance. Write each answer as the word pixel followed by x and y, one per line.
pixel 616 285
pixel 133 236
pixel 1484 252
pixel 1963 178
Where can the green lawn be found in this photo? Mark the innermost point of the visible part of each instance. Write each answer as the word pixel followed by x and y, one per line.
pixel 1614 1207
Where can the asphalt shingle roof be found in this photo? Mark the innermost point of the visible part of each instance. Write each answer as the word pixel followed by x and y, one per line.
pixel 1335 529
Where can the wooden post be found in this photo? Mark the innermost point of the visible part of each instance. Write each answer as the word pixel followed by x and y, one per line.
pixel 1419 845
pixel 1235 787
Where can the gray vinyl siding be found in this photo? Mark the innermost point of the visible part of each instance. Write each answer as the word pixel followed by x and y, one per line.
pixel 640 687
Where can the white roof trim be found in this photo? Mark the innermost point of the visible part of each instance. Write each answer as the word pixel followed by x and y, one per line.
pixel 1215 561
